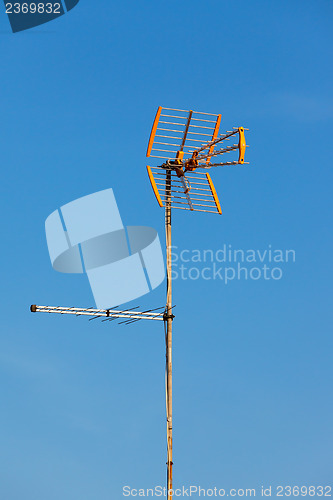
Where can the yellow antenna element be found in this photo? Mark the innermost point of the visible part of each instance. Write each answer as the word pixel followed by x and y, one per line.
pixel 153 185
pixel 212 188
pixel 153 131
pixel 216 131
pixel 241 145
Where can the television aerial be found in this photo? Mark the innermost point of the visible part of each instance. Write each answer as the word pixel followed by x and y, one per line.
pixel 187 141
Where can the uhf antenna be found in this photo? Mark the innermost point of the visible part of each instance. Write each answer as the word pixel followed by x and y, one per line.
pixel 186 141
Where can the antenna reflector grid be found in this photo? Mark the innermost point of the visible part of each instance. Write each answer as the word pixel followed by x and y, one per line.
pixel 176 130
pixel 195 191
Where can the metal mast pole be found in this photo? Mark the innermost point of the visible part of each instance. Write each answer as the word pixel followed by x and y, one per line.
pixel 168 338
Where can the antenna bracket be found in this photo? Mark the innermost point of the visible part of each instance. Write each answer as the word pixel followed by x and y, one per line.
pixel 167 316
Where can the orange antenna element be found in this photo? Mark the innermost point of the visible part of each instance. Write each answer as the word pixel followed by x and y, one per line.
pixel 180 155
pixel 241 145
pixel 153 185
pixel 212 188
pixel 192 163
pixel 153 131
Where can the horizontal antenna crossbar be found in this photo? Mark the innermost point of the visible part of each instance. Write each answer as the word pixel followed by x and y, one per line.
pixel 107 313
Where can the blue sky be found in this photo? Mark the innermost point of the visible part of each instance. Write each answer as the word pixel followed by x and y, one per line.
pixel 83 410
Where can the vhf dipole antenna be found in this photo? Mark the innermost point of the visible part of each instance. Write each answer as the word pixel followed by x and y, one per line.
pixel 185 141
